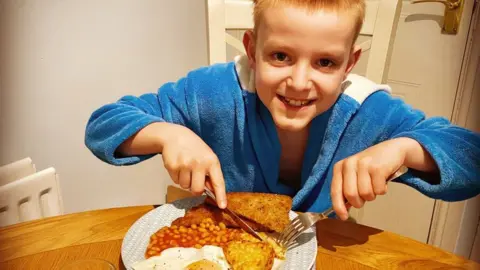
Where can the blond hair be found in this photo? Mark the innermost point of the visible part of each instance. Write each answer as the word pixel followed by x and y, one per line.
pixel 354 7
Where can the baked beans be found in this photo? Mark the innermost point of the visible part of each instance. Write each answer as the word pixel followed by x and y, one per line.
pixel 197 236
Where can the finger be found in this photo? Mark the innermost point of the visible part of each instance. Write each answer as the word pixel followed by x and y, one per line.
pixel 379 179
pixel 171 169
pixel 198 182
pixel 208 183
pixel 174 175
pixel 350 190
pixel 364 184
pixel 185 178
pixel 218 185
pixel 338 201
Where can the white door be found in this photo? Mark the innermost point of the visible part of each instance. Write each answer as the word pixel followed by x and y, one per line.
pixel 425 70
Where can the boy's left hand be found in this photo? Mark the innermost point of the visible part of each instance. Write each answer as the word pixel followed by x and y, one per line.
pixel 363 176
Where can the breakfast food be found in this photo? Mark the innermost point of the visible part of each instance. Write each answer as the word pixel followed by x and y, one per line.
pixel 207 257
pixel 244 255
pixel 263 212
pixel 206 211
pixel 205 230
pixel 268 210
pixel 196 236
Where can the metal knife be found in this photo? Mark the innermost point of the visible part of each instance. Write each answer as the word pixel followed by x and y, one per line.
pixel 235 217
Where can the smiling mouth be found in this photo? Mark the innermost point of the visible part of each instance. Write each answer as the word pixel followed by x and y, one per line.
pixel 294 102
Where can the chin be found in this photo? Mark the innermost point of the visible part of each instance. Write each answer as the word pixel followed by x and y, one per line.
pixel 291 124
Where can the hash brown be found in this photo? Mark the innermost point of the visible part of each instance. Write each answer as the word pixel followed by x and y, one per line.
pixel 242 255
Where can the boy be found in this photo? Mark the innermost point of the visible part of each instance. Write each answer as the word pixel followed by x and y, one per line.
pixel 287 118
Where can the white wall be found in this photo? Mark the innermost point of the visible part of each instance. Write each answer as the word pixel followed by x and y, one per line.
pixel 60 60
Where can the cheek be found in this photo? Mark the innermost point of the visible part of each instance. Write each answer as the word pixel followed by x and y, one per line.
pixel 328 91
pixel 268 79
pixel 328 85
pixel 263 89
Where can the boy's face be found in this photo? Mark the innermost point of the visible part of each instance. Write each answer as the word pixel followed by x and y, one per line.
pixel 300 60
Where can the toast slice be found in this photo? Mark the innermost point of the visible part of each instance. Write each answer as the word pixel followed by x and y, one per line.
pixel 266 209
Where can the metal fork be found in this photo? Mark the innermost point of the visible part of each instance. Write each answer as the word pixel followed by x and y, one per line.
pixel 305 220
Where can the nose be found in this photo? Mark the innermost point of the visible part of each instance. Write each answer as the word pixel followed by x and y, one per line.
pixel 300 77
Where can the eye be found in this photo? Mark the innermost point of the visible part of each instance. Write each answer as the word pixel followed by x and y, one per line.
pixel 325 63
pixel 280 57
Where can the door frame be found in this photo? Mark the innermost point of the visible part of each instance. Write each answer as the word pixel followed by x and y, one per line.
pixel 454 224
pixel 475 252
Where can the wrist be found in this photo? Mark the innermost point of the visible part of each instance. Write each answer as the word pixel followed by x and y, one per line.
pixel 163 133
pixel 407 146
pixel 415 156
pixel 150 139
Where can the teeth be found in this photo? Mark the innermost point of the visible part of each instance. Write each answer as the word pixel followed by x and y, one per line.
pixel 297 103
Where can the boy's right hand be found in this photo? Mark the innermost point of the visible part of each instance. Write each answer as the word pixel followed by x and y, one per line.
pixel 191 162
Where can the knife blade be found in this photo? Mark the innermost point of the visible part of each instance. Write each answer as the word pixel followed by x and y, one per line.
pixel 235 217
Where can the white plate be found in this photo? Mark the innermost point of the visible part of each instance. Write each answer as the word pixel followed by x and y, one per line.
pixel 300 257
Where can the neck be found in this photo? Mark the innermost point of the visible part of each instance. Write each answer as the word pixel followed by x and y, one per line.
pixel 292 136
pixel 293 145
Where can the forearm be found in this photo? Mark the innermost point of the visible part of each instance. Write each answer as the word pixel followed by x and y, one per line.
pixel 149 140
pixel 416 157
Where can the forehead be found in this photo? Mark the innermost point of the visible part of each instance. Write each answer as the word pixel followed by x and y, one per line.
pixel 301 28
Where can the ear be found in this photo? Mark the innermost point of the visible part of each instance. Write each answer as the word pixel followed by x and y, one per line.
pixel 249 44
pixel 353 59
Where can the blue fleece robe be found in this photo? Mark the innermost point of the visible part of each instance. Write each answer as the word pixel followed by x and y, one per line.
pixel 220 105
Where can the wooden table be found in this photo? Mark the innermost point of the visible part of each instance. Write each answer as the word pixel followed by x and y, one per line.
pixel 51 243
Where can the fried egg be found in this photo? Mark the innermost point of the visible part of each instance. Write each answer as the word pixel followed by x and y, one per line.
pixel 206 258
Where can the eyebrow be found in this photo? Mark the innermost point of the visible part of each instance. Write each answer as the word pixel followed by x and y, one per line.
pixel 330 52
pixel 270 44
pixel 336 54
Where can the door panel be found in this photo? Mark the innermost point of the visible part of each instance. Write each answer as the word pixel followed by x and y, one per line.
pixel 425 70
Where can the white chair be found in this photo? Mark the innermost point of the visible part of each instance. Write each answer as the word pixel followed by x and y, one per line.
pixel 16 170
pixel 380 23
pixel 33 197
